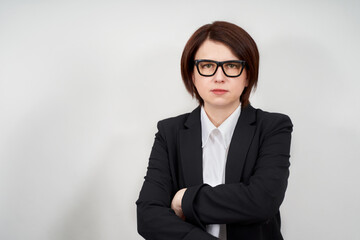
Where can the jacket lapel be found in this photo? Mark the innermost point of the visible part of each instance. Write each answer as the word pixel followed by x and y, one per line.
pixel 190 149
pixel 240 143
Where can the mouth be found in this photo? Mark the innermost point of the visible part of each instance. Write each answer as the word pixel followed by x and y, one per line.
pixel 219 91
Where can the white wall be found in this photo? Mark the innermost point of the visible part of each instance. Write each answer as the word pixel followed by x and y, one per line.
pixel 83 83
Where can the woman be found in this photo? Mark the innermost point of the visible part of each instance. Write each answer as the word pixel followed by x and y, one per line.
pixel 219 172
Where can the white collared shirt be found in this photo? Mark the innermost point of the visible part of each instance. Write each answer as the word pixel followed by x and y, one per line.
pixel 215 144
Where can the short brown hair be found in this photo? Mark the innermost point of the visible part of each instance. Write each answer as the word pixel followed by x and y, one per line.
pixel 233 36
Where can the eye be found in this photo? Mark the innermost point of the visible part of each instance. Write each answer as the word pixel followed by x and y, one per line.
pixel 232 65
pixel 207 65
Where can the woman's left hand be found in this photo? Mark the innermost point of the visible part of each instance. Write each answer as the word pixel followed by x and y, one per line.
pixel 176 203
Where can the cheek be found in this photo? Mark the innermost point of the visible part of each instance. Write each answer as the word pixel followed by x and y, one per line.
pixel 198 82
pixel 239 86
pixel 198 86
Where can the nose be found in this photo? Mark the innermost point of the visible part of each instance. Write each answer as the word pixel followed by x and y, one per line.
pixel 219 76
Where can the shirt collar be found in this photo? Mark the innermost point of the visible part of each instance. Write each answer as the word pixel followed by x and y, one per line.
pixel 226 128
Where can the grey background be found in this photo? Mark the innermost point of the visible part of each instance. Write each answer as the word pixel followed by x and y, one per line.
pixel 83 84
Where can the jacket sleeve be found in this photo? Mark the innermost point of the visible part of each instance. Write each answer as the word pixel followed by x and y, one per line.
pixel 155 218
pixel 256 201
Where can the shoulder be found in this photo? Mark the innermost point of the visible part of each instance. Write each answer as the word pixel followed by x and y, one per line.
pixel 272 121
pixel 173 122
pixel 169 128
pixel 265 116
pixel 181 121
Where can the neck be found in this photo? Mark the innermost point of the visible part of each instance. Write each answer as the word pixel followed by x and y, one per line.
pixel 218 115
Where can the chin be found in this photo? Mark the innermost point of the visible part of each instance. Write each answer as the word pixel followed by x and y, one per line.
pixel 219 104
pixel 222 103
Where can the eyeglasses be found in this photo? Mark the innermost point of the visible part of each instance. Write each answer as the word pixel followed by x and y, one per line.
pixel 208 68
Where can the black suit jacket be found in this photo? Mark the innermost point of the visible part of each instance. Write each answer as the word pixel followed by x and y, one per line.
pixel 257 170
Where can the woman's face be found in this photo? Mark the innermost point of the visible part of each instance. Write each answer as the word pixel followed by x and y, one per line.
pixel 218 91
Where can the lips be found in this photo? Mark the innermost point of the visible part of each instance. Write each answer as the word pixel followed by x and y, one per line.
pixel 219 91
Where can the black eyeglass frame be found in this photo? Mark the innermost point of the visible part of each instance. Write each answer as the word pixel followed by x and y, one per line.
pixel 196 62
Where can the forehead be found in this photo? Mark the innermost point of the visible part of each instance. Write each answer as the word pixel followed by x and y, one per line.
pixel 213 50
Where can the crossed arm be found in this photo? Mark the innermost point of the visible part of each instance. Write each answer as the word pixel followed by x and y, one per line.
pixel 156 219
